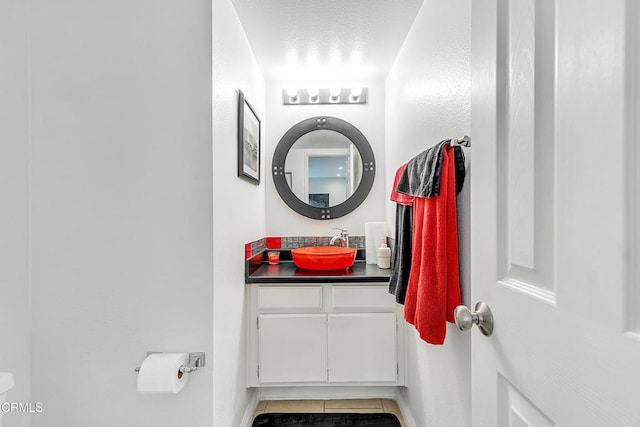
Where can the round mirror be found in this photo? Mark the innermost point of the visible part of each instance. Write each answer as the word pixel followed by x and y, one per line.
pixel 323 167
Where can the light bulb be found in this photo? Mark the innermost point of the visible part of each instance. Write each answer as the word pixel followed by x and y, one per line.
pixel 292 92
pixel 335 92
pixel 356 91
pixel 313 94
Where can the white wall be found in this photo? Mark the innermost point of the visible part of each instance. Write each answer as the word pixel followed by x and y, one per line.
pixel 428 99
pixel 15 352
pixel 238 207
pixel 369 118
pixel 122 207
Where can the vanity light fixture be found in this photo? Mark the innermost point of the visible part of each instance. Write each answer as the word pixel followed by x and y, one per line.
pixel 333 95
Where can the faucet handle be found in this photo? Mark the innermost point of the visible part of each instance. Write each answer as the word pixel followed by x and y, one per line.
pixel 341 230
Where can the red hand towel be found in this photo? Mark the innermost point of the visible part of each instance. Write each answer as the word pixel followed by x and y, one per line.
pixel 434 283
pixel 399 198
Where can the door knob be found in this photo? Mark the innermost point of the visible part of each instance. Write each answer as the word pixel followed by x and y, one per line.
pixel 482 317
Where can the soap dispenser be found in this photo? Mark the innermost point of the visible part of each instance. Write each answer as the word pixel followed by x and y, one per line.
pixel 384 255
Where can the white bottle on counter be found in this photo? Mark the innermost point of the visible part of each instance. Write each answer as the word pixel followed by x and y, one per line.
pixel 384 256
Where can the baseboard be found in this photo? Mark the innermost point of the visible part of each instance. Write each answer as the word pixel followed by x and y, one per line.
pixel 247 418
pixel 404 409
pixel 326 393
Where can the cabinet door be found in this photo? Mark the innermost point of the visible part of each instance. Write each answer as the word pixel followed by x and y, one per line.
pixel 292 348
pixel 362 347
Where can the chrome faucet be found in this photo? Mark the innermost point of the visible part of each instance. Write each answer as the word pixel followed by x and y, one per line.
pixel 343 237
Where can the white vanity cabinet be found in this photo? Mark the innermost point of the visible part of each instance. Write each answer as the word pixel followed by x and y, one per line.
pixel 323 334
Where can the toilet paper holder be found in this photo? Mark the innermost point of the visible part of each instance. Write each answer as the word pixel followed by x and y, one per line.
pixel 196 360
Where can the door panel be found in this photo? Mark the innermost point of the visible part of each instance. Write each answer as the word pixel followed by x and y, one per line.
pixel 549 209
pixel 515 410
pixel 525 145
pixel 525 137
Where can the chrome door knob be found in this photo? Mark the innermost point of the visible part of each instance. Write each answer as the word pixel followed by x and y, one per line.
pixel 482 317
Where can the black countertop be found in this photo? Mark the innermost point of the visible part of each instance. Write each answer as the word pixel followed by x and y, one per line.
pixel 287 272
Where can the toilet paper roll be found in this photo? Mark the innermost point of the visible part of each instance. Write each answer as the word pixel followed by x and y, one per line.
pixel 160 373
pixel 374 232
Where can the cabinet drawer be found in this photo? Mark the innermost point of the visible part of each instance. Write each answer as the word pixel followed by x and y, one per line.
pixel 289 297
pixel 362 297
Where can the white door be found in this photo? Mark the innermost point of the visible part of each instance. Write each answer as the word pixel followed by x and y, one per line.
pixel 555 198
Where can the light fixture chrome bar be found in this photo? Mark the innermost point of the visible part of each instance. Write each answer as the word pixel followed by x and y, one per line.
pixel 324 97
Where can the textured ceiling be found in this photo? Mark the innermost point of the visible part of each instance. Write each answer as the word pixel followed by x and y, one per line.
pixel 326 40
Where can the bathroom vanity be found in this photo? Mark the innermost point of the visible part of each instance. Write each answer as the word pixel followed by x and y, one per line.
pixel 322 327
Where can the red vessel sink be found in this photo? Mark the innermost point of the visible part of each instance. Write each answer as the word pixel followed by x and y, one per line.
pixel 324 257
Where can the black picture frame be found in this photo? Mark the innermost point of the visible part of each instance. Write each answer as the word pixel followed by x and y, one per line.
pixel 249 141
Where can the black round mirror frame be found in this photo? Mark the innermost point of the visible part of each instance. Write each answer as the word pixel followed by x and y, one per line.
pixel 323 123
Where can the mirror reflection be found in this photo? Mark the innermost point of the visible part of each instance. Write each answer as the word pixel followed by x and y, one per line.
pixel 323 168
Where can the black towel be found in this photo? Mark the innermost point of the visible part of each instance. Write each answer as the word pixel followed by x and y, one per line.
pixel 421 178
pixel 401 254
pixel 401 249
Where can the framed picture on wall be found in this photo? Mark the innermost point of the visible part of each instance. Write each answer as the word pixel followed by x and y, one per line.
pixel 248 141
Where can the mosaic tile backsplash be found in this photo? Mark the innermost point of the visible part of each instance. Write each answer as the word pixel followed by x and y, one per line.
pixel 254 248
pixel 251 249
pixel 301 241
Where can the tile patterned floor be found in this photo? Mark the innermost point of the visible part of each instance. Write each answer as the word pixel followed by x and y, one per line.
pixel 340 405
